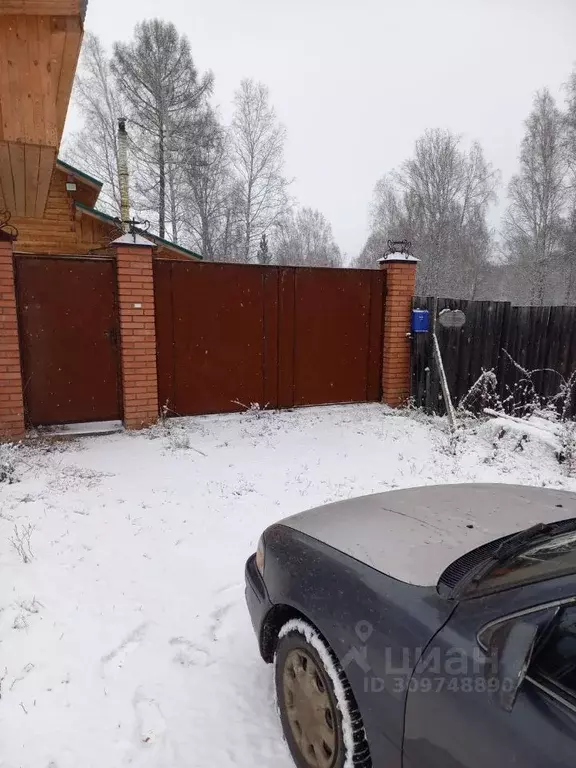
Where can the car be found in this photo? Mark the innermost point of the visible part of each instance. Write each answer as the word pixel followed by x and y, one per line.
pixel 431 627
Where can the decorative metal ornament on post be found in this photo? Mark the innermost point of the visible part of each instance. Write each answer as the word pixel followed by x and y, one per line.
pixel 7 231
pixel 135 227
pixel 398 246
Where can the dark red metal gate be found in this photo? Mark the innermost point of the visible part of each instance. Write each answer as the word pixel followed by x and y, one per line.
pixel 213 349
pixel 229 335
pixel 69 339
pixel 330 335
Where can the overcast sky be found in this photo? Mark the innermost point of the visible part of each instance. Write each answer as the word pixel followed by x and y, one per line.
pixel 357 81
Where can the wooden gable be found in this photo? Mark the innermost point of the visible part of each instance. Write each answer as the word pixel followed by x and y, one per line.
pixel 39 48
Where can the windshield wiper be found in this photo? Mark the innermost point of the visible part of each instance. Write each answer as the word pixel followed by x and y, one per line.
pixel 518 542
pixel 514 545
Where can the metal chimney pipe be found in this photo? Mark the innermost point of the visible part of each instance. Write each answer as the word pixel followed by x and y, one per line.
pixel 123 177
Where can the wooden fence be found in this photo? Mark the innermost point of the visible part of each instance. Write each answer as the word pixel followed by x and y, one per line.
pixel 531 351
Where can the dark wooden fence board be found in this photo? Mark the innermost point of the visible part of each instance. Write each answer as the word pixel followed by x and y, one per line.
pixel 539 339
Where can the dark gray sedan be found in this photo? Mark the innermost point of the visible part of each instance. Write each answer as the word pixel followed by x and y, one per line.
pixel 432 627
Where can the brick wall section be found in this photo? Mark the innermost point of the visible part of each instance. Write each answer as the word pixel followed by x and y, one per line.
pixel 138 334
pixel 11 401
pixel 400 285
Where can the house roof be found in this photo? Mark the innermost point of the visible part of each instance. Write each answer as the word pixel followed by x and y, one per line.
pixel 159 241
pixel 86 178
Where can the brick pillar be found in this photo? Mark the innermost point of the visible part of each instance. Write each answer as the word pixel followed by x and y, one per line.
pixel 11 399
pixel 137 330
pixel 400 284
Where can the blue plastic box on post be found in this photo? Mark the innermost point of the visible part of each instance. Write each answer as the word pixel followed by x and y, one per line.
pixel 420 321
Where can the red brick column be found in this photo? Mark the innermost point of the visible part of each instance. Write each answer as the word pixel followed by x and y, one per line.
pixel 11 399
pixel 137 330
pixel 400 284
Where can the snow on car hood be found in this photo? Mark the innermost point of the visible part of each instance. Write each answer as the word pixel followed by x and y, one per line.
pixel 414 534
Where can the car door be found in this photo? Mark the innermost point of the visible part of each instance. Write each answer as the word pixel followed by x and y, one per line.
pixel 454 715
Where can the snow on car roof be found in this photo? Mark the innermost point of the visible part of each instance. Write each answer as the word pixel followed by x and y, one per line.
pixel 414 534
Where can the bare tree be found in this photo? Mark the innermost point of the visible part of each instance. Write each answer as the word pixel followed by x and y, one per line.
pixel 372 250
pixel 570 124
pixel 569 245
pixel 257 142
pixel 94 148
pixel 533 226
pixel 156 75
pixel 213 199
pixel 306 238
pixel 438 199
pixel 446 193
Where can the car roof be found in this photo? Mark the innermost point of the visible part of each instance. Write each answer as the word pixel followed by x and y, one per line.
pixel 416 533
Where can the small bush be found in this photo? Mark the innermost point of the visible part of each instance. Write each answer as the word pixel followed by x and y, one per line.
pixel 8 463
pixel 254 409
pixel 482 394
pixel 567 453
pixel 179 441
pixel 21 542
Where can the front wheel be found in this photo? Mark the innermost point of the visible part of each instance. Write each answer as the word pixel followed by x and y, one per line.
pixel 320 719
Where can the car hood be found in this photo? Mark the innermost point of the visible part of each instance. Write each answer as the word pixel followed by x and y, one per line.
pixel 414 534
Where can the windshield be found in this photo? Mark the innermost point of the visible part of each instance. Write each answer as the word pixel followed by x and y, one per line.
pixel 547 559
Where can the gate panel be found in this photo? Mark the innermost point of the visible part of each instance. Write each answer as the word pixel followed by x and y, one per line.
pixel 337 335
pixel 233 334
pixel 69 339
pixel 213 357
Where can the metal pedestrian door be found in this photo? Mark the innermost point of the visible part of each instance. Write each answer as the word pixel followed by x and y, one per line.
pixel 69 339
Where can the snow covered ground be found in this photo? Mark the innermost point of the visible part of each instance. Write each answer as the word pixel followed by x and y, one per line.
pixel 125 640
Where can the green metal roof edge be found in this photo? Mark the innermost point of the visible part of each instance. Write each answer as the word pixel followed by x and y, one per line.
pixel 106 217
pixel 168 244
pixel 80 173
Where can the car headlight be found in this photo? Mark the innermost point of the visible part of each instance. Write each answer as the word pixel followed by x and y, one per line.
pixel 260 556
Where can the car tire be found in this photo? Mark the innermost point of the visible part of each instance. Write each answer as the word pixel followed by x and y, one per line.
pixel 320 718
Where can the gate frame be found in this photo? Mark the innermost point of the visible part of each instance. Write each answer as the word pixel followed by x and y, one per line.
pixel 276 343
pixel 135 302
pixel 11 396
pixel 138 334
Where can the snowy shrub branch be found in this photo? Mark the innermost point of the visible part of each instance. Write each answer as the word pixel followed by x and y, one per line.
pixel 519 396
pixel 7 463
pixel 21 542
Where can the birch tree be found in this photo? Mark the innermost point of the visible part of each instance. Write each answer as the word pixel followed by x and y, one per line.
pixel 570 125
pixel 257 150
pixel 570 225
pixel 438 199
pixel 446 192
pixel 213 199
pixel 538 194
pixel 164 93
pixel 305 238
pixel 94 148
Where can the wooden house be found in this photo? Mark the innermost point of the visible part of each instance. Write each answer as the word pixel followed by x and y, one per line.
pixel 51 204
